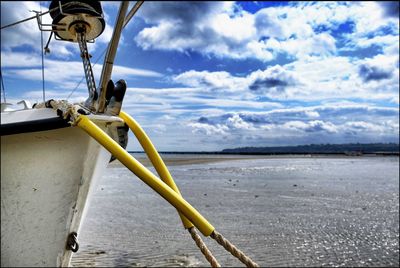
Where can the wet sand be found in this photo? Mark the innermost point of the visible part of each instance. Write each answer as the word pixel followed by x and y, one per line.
pixel 182 159
pixel 281 211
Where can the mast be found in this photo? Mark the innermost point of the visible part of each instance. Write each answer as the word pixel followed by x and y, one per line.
pixel 110 56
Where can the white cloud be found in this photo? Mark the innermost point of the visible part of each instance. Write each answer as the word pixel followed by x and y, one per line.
pixel 364 126
pixel 380 40
pixel 292 29
pixel 215 29
pixel 237 122
pixel 19 60
pixel 237 36
pixel 212 80
pixel 187 102
pixel 312 78
pixel 337 124
pixel 209 129
pixel 311 114
pixel 274 79
pixel 320 45
pixel 61 76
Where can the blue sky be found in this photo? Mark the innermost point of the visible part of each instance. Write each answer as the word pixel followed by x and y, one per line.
pixel 205 76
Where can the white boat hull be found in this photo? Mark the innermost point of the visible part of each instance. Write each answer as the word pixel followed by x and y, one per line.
pixel 46 178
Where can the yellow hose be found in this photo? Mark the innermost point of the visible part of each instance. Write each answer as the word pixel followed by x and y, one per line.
pixel 145 175
pixel 154 157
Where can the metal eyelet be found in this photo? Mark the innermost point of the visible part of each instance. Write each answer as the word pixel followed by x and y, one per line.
pixel 72 242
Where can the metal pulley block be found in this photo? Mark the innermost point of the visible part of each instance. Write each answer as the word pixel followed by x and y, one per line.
pixel 77 16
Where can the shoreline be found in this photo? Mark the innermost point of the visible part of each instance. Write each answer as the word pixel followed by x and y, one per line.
pixel 276 153
pixel 181 159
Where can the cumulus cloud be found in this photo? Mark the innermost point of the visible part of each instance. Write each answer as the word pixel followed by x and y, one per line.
pixel 183 12
pixel 210 80
pixel 356 126
pixel 269 25
pixel 314 78
pixel 370 73
pixel 311 126
pixel 216 29
pixel 374 26
pixel 297 30
pixel 221 30
pixel 178 29
pixel 275 80
pixel 318 125
pixel 336 114
pixel 208 129
pixel 379 76
pixel 275 77
pixel 298 125
pixel 237 122
pixel 231 122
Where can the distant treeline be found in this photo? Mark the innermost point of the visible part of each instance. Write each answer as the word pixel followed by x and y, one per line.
pixel 349 148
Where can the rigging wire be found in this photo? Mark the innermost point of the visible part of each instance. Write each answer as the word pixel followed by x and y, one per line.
pixel 30 18
pixel 2 86
pixel 21 21
pixel 34 17
pixel 132 12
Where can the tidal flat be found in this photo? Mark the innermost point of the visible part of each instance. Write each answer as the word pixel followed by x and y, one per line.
pixel 296 211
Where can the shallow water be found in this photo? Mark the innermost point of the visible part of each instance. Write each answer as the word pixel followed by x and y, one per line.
pixel 281 211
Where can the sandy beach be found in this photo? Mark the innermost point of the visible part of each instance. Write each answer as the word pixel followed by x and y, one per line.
pixel 281 211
